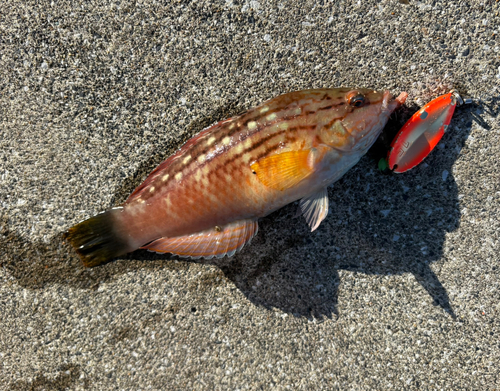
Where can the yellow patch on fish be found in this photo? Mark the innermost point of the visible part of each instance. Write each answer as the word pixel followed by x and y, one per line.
pixel 283 170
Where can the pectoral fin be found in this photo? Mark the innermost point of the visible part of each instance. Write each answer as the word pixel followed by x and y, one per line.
pixel 315 208
pixel 215 242
pixel 283 170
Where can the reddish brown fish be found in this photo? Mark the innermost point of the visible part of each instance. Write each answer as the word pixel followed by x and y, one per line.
pixel 205 200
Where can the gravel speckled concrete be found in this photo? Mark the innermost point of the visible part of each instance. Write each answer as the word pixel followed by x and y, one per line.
pixel 398 288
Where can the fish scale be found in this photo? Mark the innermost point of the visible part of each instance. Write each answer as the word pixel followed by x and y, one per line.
pixel 210 193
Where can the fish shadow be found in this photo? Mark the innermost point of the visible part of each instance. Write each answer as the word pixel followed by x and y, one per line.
pixel 378 224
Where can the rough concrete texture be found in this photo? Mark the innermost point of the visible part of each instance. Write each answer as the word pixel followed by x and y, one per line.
pixel 398 288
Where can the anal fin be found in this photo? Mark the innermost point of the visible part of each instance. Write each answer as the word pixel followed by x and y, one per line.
pixel 315 208
pixel 215 242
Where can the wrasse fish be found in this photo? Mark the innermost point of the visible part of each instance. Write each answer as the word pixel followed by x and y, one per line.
pixel 205 200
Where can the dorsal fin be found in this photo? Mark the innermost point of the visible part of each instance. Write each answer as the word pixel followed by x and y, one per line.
pixel 215 242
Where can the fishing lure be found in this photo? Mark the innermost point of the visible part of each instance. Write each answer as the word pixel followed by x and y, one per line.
pixel 421 133
pixel 205 200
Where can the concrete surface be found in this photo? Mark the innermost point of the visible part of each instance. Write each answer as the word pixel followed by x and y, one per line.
pixel 399 287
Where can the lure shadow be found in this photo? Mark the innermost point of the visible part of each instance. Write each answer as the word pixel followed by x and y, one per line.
pixel 378 224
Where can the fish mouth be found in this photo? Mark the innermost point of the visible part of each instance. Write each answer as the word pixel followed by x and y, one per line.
pixel 388 105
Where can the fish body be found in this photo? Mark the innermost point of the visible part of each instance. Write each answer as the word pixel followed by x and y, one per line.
pixel 205 200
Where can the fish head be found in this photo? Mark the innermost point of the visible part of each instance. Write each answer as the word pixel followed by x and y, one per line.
pixel 361 115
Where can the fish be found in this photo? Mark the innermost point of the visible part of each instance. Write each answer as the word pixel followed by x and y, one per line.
pixel 206 199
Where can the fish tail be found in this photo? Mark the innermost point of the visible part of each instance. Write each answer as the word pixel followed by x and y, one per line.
pixel 98 239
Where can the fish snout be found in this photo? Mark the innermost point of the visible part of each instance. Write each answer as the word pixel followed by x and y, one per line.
pixel 389 105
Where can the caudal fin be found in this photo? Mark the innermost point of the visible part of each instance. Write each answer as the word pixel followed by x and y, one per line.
pixel 96 240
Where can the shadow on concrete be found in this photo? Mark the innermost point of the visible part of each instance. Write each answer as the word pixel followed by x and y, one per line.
pixel 378 224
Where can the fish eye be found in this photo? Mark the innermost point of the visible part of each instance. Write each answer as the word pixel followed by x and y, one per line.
pixel 356 100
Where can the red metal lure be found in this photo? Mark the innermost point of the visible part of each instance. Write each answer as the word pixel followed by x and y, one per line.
pixel 418 137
